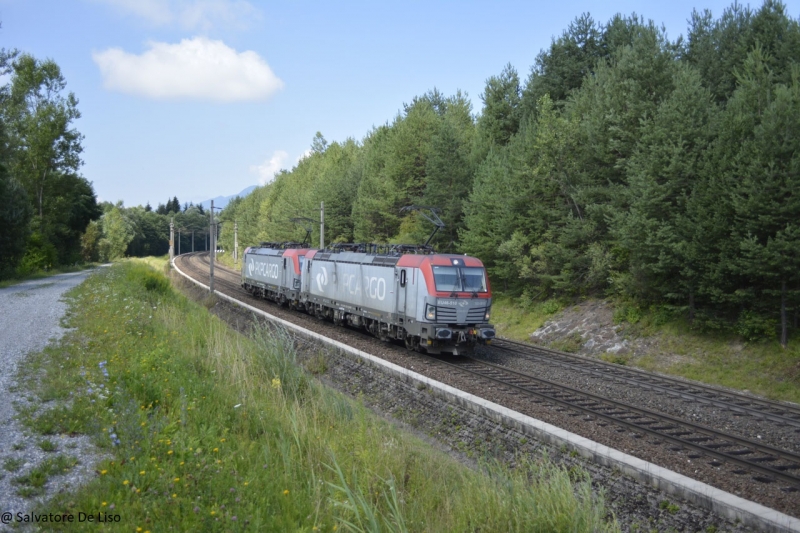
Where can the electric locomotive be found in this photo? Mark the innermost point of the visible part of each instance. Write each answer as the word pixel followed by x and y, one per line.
pixel 272 271
pixel 434 303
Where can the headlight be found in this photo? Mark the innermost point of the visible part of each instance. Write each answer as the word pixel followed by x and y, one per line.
pixel 487 314
pixel 430 312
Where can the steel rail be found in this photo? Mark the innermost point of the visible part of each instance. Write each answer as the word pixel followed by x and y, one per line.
pixel 732 401
pixel 706 440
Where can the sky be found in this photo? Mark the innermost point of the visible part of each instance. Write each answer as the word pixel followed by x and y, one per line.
pixel 203 98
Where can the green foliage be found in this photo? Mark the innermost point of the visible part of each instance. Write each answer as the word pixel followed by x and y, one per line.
pixel 34 481
pixel 500 118
pixel 40 254
pixel 41 152
pixel 627 313
pixel 752 326
pixel 118 232
pixel 90 242
pixel 150 280
pixel 15 214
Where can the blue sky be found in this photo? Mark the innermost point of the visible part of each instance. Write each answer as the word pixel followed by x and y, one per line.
pixel 200 98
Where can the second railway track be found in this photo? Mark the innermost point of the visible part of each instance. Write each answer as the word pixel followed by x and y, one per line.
pixel 780 413
pixel 775 464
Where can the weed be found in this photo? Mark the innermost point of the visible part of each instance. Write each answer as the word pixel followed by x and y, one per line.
pixel 29 492
pixel 629 313
pixel 18 446
pixel 668 506
pixel 615 358
pixel 51 466
pixel 12 465
pixel 570 344
pixel 47 445
pixel 317 364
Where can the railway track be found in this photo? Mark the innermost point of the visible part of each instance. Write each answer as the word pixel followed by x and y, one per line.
pixel 740 404
pixel 771 464
pixel 764 463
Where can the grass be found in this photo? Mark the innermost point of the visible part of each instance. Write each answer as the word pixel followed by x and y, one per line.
pixel 32 483
pixel 226 258
pixel 47 445
pixel 516 320
pixel 213 431
pixel 12 465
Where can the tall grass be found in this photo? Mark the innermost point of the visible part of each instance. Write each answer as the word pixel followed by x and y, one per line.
pixel 214 431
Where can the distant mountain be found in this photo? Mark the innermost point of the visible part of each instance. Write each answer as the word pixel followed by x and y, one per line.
pixel 222 201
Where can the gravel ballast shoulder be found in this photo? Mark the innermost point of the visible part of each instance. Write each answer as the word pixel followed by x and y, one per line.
pixel 30 316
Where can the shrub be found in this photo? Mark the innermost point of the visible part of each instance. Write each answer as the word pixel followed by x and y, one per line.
pixel 753 326
pixel 39 255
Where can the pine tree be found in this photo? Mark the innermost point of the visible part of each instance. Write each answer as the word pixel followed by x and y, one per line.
pixel 657 231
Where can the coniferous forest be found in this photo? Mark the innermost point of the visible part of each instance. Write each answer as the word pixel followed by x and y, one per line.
pixel 626 164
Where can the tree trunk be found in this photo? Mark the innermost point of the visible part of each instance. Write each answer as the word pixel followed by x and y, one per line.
pixel 784 332
pixel 41 195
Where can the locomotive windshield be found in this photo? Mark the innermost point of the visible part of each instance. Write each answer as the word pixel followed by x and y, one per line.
pixel 459 279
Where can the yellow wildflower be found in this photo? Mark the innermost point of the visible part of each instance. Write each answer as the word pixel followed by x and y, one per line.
pixel 177 479
pixel 286 492
pixel 125 482
pixel 103 472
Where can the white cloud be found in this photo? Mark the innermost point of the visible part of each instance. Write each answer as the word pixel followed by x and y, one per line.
pixel 205 14
pixel 268 169
pixel 189 14
pixel 197 68
pixel 305 154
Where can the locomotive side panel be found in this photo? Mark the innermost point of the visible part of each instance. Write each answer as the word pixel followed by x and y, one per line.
pixel 352 286
pixel 263 270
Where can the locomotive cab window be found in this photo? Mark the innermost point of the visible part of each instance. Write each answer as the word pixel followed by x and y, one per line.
pixel 403 278
pixel 459 279
pixel 474 279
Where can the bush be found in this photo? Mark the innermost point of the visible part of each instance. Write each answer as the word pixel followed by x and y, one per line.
pixel 40 255
pixel 149 279
pixel 627 313
pixel 753 326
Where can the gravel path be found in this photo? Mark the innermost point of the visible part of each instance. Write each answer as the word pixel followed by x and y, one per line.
pixel 30 315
